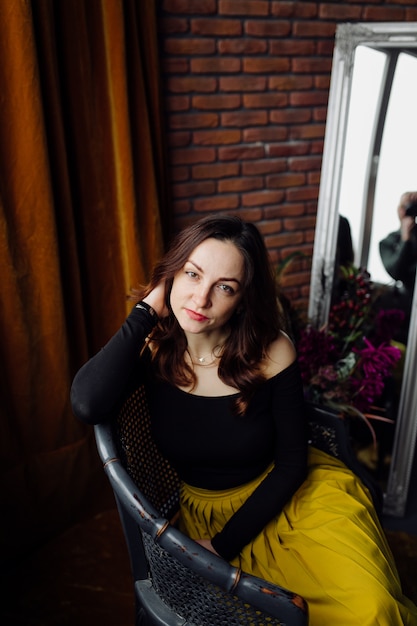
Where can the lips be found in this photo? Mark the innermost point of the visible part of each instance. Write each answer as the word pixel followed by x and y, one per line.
pixel 197 317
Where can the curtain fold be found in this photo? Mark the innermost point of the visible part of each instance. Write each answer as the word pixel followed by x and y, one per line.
pixel 83 212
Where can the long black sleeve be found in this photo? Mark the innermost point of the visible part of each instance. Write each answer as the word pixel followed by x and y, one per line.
pixel 290 469
pixel 101 385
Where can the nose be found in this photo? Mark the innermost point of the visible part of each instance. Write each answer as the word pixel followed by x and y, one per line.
pixel 201 296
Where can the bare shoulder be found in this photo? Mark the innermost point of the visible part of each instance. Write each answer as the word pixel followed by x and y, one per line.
pixel 281 353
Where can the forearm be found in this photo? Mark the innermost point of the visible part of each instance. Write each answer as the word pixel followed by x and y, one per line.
pixel 266 502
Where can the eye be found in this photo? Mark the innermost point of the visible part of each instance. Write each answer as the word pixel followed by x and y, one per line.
pixel 191 274
pixel 226 289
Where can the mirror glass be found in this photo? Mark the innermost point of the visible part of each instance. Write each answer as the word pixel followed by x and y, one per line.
pixel 368 163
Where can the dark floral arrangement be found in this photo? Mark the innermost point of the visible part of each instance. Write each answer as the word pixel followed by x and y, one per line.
pixel 346 364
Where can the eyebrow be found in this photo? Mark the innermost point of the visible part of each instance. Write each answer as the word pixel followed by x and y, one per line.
pixel 227 280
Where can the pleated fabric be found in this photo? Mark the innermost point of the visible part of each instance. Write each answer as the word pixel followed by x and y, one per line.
pixel 326 545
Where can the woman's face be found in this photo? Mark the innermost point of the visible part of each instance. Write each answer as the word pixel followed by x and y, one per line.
pixel 207 290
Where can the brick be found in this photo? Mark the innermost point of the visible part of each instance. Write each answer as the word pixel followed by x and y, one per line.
pixel 316 147
pixel 289 148
pixel 261 198
pixel 280 181
pixel 217 101
pixel 175 65
pixel 265 100
pixel 267 28
pixel 189 190
pixel 242 83
pixel 193 120
pixel 306 65
pixel 294 9
pixel 325 47
pixel 322 82
pixel 304 164
pixel 292 47
pixel 242 46
pixel 263 166
pixel 189 46
pixel 244 118
pixel 250 214
pixel 298 223
pixel 308 98
pixel 290 116
pixel 290 82
pixel 283 239
pixel 313 29
pixel 249 183
pixel 339 11
pixel 411 14
pixel 266 134
pixel 179 139
pixel 269 227
pixel 282 9
pixel 313 178
pixel 383 14
pixel 282 211
pixel 189 84
pixel 216 170
pixel 320 114
pixel 304 193
pixel 192 155
pixel 305 9
pixel 216 203
pixel 307 132
pixel 216 65
pixel 219 27
pixel 177 103
pixel 294 279
pixel 265 65
pixel 241 153
pixel 243 7
pixel 216 137
pixel 194 7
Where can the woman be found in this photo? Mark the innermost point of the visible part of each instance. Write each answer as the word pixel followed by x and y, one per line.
pixel 227 411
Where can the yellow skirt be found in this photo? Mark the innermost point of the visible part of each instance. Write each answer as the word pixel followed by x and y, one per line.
pixel 327 545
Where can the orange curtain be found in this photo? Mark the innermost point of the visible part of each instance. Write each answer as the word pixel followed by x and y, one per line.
pixel 83 216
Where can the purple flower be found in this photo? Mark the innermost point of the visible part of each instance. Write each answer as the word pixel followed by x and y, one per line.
pixel 365 391
pixel 377 361
pixel 315 349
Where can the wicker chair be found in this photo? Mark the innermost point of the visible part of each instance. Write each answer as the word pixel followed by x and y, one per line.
pixel 176 581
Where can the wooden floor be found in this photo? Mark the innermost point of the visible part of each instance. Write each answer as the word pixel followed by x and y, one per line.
pixel 81 578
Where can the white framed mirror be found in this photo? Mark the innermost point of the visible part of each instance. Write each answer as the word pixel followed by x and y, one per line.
pixel 369 161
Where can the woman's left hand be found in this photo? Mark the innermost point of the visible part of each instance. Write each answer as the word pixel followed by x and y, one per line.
pixel 206 543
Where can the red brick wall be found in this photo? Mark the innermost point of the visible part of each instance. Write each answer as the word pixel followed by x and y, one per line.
pixel 246 87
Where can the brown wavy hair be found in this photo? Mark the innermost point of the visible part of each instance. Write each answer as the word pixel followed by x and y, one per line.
pixel 253 326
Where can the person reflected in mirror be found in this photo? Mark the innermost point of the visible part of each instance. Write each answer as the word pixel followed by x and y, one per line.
pixel 399 253
pixel 344 257
pixel 228 412
pixel 344 246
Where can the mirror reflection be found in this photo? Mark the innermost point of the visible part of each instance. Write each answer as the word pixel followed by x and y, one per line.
pixel 379 164
pixel 366 214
